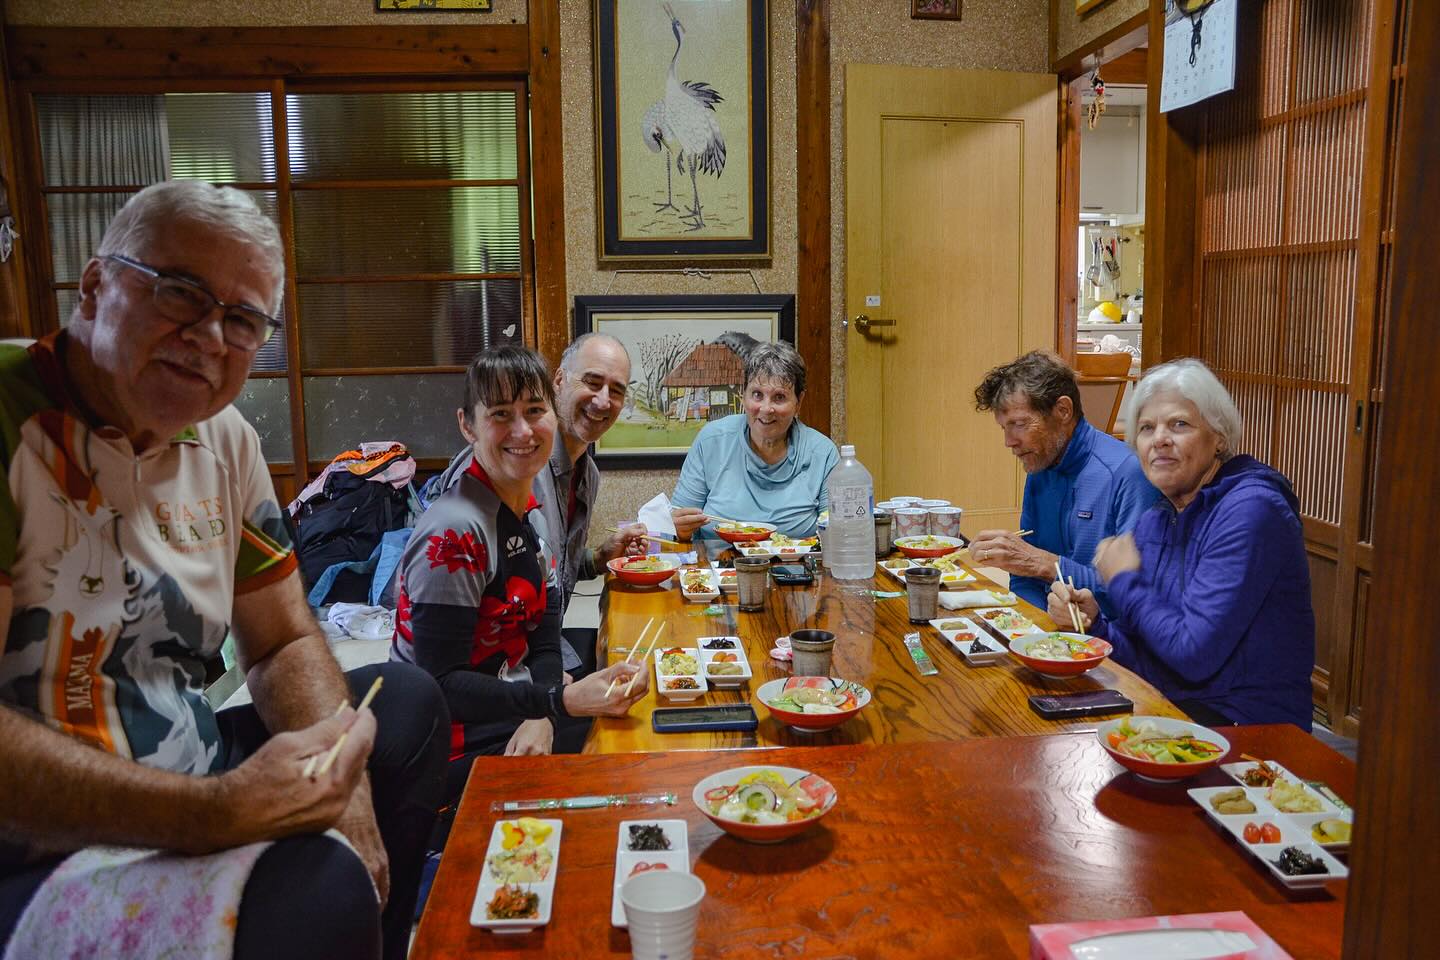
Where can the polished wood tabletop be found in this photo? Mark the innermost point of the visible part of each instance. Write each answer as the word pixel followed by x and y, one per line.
pixel 932 850
pixel 962 701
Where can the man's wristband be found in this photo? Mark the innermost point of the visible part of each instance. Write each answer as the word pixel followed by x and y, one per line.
pixel 557 700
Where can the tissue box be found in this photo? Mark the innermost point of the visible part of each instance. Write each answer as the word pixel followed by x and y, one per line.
pixel 1228 935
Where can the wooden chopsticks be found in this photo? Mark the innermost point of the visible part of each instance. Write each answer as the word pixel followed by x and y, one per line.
pixel 653 640
pixel 668 543
pixel 329 757
pixel 1076 617
pixel 633 647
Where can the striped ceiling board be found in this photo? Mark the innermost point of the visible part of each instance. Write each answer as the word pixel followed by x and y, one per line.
pixel 1279 225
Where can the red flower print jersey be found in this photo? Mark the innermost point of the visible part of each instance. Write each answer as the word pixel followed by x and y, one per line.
pixel 480 609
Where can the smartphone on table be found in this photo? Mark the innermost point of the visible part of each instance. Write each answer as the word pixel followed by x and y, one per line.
pixel 791 573
pixel 726 716
pixel 1083 703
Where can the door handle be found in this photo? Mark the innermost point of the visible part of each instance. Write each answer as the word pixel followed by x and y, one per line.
pixel 863 323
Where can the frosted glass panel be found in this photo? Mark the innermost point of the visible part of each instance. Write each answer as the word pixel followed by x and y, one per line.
pixel 417 410
pixel 406 324
pixel 352 233
pixel 453 135
pixel 78 221
pixel 265 402
pixel 221 137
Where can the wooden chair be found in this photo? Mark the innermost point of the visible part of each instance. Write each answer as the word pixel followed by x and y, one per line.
pixel 1102 379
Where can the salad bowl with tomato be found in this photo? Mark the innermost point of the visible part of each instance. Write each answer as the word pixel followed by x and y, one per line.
pixel 764 804
pixel 1162 749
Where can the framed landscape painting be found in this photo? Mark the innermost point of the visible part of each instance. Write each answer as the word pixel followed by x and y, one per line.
pixel 682 119
pixel 686 365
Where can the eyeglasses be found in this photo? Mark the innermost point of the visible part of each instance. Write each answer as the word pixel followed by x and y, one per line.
pixel 186 303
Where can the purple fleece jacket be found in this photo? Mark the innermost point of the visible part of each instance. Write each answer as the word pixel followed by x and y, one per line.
pixel 1219 610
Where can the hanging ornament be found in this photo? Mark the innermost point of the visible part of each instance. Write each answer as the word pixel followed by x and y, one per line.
pixel 1097 102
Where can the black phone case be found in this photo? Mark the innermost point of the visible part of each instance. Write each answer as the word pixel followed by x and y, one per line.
pixel 1122 704
pixel 660 721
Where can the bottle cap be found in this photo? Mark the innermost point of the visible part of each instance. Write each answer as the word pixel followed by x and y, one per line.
pixel 847 451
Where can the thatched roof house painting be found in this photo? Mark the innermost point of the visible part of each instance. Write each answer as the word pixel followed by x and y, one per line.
pixel 705 385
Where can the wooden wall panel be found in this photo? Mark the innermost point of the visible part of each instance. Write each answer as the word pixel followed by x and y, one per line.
pixel 1323 583
pixel 1390 906
pixel 813 307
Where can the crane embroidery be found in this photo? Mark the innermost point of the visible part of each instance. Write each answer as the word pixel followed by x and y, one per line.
pixel 685 125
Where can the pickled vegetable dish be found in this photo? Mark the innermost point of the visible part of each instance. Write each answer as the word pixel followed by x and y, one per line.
pixel 1145 741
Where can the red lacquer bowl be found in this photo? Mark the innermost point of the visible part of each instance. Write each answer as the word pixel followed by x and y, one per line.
pixel 813 784
pixel 1164 772
pixel 1020 646
pixel 644 578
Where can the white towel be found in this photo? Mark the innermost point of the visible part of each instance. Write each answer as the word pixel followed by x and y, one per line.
pixel 960 599
pixel 363 622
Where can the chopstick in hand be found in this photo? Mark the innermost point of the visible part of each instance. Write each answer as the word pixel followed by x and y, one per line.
pixel 653 641
pixel 647 536
pixel 633 647
pixel 1076 620
pixel 329 758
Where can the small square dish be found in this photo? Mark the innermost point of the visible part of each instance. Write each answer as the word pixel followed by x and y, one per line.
pixel 728 583
pixel 520 865
pixel 724 668
pixel 678 674
pixel 964 635
pixel 647 845
pixel 1007 620
pixel 699 585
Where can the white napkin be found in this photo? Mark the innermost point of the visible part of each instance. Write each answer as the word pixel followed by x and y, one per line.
pixel 363 622
pixel 656 516
pixel 960 599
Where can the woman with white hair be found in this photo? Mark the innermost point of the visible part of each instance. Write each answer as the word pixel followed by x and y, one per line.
pixel 1212 587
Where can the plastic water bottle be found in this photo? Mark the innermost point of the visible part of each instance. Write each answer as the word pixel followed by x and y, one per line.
pixel 850 536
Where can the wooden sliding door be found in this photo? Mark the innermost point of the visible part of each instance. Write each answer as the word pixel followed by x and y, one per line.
pixel 1275 238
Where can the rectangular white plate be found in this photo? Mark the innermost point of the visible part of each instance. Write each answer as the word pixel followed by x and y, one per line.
pixel 679 696
pixel 1292 834
pixel 962 639
pixel 1307 820
pixel 728 583
pixel 727 681
pixel 677 858
pixel 545 889
pixel 959 599
pixel 786 550
pixel 1018 630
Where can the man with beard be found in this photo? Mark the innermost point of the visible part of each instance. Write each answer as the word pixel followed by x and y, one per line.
pixel 138 525
pixel 1081 485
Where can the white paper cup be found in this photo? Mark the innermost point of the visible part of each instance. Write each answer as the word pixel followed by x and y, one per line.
pixel 911 522
pixel 944 521
pixel 932 504
pixel 661 907
pixel 906 501
pixel 890 505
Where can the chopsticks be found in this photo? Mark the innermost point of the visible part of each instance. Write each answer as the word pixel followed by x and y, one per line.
pixel 1023 533
pixel 669 543
pixel 1075 616
pixel 653 640
pixel 329 758
pixel 633 647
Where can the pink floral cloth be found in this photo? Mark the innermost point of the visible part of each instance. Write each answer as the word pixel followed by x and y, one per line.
pixel 122 902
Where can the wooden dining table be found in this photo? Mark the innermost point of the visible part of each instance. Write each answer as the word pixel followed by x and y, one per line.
pixel 960 701
pixel 938 849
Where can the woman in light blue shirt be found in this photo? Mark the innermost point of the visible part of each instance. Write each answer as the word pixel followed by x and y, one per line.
pixel 762 465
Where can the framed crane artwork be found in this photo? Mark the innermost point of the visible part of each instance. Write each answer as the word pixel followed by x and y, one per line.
pixel 682 118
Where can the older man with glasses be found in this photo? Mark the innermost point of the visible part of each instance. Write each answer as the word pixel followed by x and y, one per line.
pixel 138 526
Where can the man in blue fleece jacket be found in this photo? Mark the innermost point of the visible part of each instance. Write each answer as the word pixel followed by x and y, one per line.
pixel 1081 485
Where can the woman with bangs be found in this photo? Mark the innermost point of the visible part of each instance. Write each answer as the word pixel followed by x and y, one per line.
pixel 479 603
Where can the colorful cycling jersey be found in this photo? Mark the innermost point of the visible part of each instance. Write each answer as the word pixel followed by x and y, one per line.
pixel 479 608
pixel 124 567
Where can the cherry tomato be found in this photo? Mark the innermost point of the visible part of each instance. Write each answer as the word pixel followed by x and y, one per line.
pixel 1253 833
pixel 1269 833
